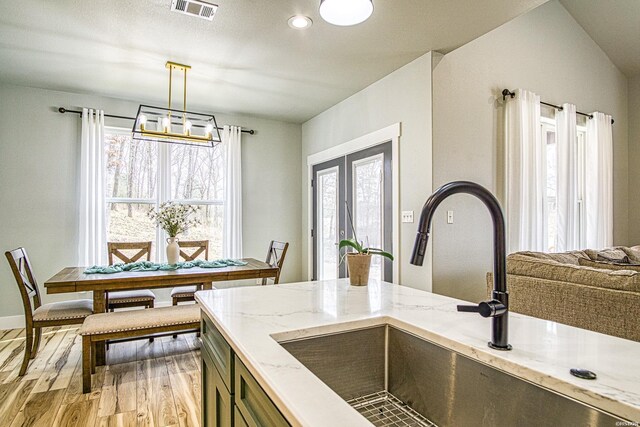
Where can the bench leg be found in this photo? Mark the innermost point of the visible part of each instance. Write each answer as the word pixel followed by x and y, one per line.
pixel 86 363
pixel 93 358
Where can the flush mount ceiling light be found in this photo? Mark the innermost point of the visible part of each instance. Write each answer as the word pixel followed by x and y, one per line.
pixel 170 125
pixel 346 12
pixel 300 22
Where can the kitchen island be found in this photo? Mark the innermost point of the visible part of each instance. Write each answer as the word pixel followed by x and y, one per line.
pixel 255 320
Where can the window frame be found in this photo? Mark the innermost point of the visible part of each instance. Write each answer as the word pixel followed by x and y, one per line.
pixel 548 124
pixel 581 167
pixel 163 189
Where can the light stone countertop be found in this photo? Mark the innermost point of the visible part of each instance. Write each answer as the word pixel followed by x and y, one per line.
pixel 253 320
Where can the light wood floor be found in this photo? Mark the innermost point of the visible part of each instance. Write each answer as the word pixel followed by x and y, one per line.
pixel 143 384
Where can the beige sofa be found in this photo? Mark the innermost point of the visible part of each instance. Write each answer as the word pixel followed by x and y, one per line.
pixel 604 298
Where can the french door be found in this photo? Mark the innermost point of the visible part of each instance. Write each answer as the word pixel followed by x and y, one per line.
pixel 357 185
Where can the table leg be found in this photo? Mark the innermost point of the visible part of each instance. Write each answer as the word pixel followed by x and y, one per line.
pixel 100 306
pixel 207 286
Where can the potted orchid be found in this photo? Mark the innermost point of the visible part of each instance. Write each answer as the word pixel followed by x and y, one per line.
pixel 174 219
pixel 359 262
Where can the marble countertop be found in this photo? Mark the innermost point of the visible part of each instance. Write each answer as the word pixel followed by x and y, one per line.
pixel 254 319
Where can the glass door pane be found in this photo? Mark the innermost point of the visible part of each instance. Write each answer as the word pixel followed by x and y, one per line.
pixel 369 195
pixel 368 206
pixel 328 219
pixel 328 223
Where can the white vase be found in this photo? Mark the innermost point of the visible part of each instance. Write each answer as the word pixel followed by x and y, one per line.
pixel 173 250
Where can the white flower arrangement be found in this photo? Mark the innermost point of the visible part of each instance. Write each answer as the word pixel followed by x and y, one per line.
pixel 174 218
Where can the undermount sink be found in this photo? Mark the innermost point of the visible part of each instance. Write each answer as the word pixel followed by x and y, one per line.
pixel 393 377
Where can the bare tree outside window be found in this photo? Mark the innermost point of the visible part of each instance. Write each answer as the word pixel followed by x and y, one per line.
pixel 195 176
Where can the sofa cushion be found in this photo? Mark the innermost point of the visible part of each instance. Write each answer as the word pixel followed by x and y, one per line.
pixel 571 257
pixel 633 266
pixel 608 254
pixel 523 265
pixel 633 253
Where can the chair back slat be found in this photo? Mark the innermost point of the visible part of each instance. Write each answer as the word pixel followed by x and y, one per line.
pixel 201 246
pixel 275 258
pixel 21 269
pixel 116 249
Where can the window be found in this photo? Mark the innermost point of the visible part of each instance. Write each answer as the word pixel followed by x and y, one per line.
pixel 141 175
pixel 551 206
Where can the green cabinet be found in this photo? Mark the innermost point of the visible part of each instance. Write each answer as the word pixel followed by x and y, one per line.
pixel 231 397
pixel 254 404
pixel 238 419
pixel 217 402
pixel 219 349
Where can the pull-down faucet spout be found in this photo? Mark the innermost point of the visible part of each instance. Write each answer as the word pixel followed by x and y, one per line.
pixel 497 308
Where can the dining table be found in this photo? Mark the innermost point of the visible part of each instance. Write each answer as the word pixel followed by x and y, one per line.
pixel 75 279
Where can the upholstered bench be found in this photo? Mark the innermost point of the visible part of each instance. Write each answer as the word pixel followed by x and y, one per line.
pixel 130 324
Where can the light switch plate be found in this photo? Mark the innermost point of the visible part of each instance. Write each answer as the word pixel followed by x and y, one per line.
pixel 449 217
pixel 407 216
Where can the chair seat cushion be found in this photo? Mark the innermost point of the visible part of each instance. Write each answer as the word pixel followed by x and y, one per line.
pixel 138 295
pixel 76 309
pixel 120 321
pixel 184 291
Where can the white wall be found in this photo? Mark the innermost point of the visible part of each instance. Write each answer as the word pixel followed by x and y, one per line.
pixel 403 96
pixel 544 51
pixel 634 160
pixel 39 150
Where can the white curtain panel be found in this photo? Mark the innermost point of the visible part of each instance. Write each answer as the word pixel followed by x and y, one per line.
pixel 599 181
pixel 92 232
pixel 232 236
pixel 567 190
pixel 526 174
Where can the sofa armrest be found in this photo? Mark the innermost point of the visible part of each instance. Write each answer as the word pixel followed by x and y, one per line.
pixel 608 311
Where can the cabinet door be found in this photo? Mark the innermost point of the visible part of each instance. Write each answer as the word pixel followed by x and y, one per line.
pixel 219 350
pixel 217 402
pixel 237 418
pixel 255 406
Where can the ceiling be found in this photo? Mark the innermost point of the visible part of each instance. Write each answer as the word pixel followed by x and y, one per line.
pixel 246 61
pixel 615 26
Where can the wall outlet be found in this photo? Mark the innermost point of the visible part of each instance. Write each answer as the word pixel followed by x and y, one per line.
pixel 449 217
pixel 407 216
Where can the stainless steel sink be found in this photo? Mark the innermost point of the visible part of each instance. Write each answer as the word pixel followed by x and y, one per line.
pixel 394 378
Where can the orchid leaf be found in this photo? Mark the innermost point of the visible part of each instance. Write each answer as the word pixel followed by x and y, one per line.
pixel 380 252
pixel 351 243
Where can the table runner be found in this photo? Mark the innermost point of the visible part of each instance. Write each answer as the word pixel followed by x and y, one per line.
pixel 154 266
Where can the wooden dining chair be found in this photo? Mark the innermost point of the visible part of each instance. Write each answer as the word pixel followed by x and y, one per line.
pixel 275 258
pixel 36 314
pixel 133 298
pixel 189 251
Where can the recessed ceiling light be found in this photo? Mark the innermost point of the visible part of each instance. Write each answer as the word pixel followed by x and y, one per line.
pixel 346 12
pixel 300 22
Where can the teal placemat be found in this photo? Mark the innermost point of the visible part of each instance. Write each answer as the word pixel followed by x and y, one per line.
pixel 154 266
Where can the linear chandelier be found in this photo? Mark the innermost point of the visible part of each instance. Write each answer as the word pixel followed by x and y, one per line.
pixel 170 125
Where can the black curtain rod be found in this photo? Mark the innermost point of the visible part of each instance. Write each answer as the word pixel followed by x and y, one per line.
pixel 64 110
pixel 507 92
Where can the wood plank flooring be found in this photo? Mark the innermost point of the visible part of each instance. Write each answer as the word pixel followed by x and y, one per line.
pixel 143 383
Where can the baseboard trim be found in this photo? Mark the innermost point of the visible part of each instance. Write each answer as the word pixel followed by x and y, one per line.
pixel 17 322
pixel 12 322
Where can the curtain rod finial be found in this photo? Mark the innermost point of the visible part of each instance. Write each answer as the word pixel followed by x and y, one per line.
pixel 507 92
pixel 62 110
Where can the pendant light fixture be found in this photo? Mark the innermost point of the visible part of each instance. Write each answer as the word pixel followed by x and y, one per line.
pixel 346 12
pixel 175 126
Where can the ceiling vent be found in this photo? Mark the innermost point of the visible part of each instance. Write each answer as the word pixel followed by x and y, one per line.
pixel 196 8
